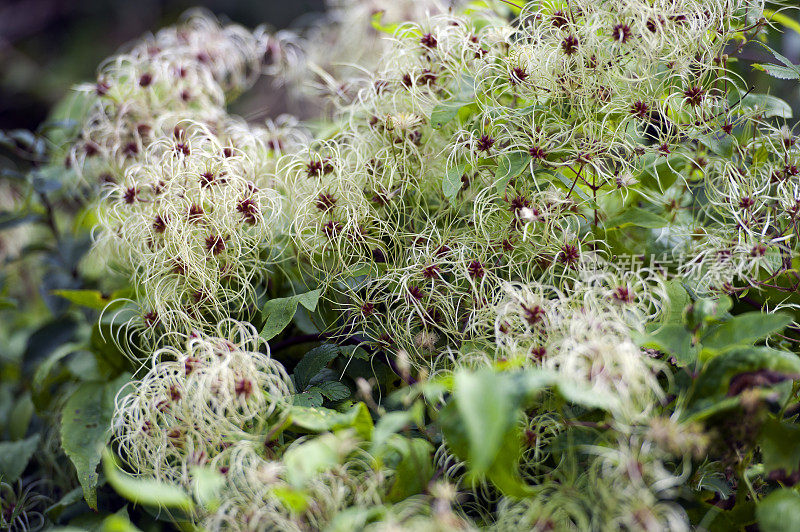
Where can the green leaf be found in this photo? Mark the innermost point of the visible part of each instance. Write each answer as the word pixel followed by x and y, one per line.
pixel 637 217
pixel 716 484
pixel 780 446
pixel 278 313
pixel 312 363
pixel 20 417
pixel 334 390
pixel 660 172
pixel 311 398
pixel 70 498
pixel 711 309
pixel 145 491
pixel 85 430
pixel 85 298
pixel 14 457
pixel 745 329
pixel 779 72
pixel 673 339
pixel 567 183
pixel 118 523
pixel 718 143
pixel 306 460
pixel 714 380
pixel 678 301
pixel 309 300
pixel 769 105
pixel 378 25
pixel 788 71
pixel 504 469
pixel 393 422
pixel 414 471
pixel 207 484
pixel 535 380
pixel 486 422
pixel 451 183
pixel 320 419
pixel 779 511
pixel 480 425
pixel 304 322
pixel 356 518
pixel 781 58
pixel 354 351
pixel 41 377
pixel 509 167
pixel 707 408
pixel 292 499
pixel 445 112
pixel 577 393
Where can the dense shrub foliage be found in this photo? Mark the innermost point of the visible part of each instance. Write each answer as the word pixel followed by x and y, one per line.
pixel 529 267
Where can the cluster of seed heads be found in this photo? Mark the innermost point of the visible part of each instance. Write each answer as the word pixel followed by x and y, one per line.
pixel 456 218
pixel 186 71
pixel 191 225
pixel 330 57
pixel 611 91
pixel 219 403
pixel 189 210
pixel 194 405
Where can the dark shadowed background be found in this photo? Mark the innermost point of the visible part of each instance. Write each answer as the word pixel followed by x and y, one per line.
pixel 46 46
